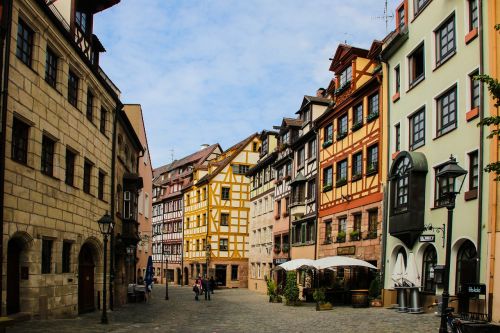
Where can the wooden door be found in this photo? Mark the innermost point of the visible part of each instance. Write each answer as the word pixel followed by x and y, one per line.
pixel 86 280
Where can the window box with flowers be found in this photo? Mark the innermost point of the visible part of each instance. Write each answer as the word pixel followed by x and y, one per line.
pixel 343 88
pixel 372 169
pixel 285 248
pixel 355 236
pixel 341 237
pixel 372 116
pixel 327 143
pixel 327 188
pixel 356 177
pixel 277 248
pixel 371 234
pixel 341 135
pixel 357 126
pixel 340 182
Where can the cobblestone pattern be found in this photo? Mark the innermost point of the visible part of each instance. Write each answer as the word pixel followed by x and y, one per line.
pixel 236 310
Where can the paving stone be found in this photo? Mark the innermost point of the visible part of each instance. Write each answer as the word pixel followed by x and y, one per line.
pixel 234 310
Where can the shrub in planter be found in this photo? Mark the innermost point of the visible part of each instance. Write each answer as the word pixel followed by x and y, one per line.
pixel 341 237
pixel 291 291
pixel 319 298
pixel 374 291
pixel 354 235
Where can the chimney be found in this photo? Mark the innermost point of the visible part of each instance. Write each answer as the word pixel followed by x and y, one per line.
pixel 320 92
pixel 204 145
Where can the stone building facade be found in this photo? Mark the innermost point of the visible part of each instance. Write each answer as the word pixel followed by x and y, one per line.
pixel 58 112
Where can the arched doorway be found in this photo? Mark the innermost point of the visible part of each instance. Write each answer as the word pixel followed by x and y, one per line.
pixel 86 267
pixel 179 276
pixel 186 276
pixel 466 264
pixel 15 247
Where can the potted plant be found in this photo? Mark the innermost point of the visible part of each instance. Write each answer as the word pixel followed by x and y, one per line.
pixel 291 292
pixel 354 235
pixel 272 291
pixel 327 188
pixel 374 292
pixel 320 299
pixel 341 236
pixel 327 143
pixel 341 135
pixel 341 182
pixel 357 126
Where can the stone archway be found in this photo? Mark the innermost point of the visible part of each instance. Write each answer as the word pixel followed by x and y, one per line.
pixel 17 269
pixel 86 278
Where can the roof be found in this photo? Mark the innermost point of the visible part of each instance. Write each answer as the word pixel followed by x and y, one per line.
pixel 313 100
pixel 230 156
pixel 343 54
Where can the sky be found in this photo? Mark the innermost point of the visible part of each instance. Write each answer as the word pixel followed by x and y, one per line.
pixel 216 71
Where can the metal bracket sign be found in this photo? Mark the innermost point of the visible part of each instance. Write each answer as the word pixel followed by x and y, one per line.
pixel 427 238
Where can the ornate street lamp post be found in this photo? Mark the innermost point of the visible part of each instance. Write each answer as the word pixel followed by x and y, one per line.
pixel 166 252
pixel 450 179
pixel 106 225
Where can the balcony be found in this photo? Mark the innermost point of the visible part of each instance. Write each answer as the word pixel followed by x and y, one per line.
pixel 130 232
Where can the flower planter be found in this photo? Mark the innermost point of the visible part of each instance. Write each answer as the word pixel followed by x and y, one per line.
pixel 327 143
pixel 324 306
pixel 376 303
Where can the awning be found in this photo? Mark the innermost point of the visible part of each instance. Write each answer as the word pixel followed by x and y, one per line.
pixel 295 264
pixel 412 277
pixel 339 261
pixel 398 271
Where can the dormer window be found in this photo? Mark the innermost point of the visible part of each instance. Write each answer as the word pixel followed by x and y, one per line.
pixel 306 115
pixel 345 76
pixel 82 20
pixel 285 138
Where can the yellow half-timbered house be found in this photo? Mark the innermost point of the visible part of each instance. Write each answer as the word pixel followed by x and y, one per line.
pixel 216 216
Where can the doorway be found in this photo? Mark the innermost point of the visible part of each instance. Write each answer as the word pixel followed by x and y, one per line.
pixel 220 275
pixel 14 250
pixel 186 276
pixel 179 276
pixel 86 267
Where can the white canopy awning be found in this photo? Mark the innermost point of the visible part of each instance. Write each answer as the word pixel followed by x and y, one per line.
pixel 411 277
pixel 295 264
pixel 337 261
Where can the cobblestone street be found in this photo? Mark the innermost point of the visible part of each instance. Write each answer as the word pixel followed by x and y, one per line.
pixel 237 310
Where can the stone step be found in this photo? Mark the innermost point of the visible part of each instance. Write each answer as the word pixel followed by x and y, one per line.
pixel 20 316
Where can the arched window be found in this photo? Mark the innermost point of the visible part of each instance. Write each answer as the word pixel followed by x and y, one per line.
pixel 429 261
pixel 466 265
pixel 401 185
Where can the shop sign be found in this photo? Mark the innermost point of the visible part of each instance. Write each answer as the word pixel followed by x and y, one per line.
pixel 346 250
pixel 475 288
pixel 279 261
pixel 427 238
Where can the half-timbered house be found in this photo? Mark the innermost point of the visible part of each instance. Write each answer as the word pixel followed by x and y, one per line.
pixel 216 216
pixel 351 172
pixel 168 211
pixel 262 213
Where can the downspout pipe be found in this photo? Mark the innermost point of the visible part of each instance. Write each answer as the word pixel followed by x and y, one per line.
pixel 5 59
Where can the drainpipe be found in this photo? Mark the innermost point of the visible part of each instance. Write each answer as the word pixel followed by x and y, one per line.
pixel 316 199
pixel 5 36
pixel 119 107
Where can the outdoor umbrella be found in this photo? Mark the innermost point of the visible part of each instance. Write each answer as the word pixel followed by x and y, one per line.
pixel 412 277
pixel 295 264
pixel 398 271
pixel 336 261
pixel 148 279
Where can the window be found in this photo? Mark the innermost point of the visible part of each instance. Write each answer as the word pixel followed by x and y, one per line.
pixel 357 165
pixel 66 257
pixel 46 256
pixel 100 187
pixel 47 162
pixel 342 224
pixel 373 106
pixel 278 208
pixel 473 170
pixel 224 219
pixel 447 111
pixel 327 176
pixel 225 193
pixel 234 272
pixel 311 189
pixel 328 134
pixel 288 169
pixel 265 146
pixel 474 90
pixel 70 167
pixel 342 126
pixel 417 129
pixel 372 224
pixel 82 20
pixel 357 115
pixel 397 129
pixel 239 169
pixel 356 222
pixel 24 47
pixel 445 40
pixel 416 64
pixel 401 17
pixel 341 172
pixel 473 15
pixel 51 60
pixel 102 125
pixel 87 170
pixel 311 149
pixel 72 88
pixel 300 157
pixel 90 106
pixel 401 188
pixel 397 78
pixel 419 5
pixel 328 231
pixel 429 261
pixel 20 133
pixel 223 244
pixel 345 76
pixel 372 159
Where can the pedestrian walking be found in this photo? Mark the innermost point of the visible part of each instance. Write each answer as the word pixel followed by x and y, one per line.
pixel 206 287
pixel 197 288
pixel 212 284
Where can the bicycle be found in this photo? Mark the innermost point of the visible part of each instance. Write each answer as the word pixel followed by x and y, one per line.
pixel 453 323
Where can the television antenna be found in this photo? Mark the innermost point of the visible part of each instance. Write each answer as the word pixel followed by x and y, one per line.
pixel 386 17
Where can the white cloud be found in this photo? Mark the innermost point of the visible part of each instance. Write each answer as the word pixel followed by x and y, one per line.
pixel 217 70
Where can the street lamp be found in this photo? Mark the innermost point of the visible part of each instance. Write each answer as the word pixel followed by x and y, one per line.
pixel 450 179
pixel 166 252
pixel 106 225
